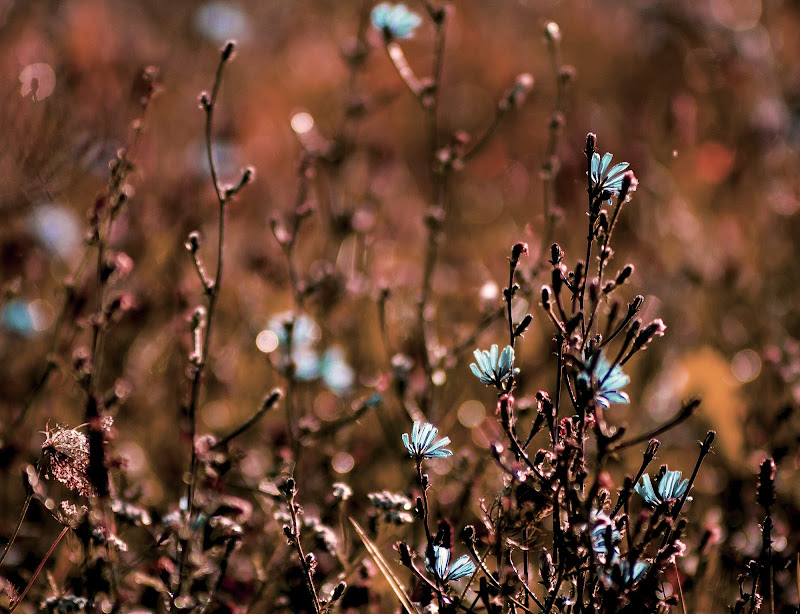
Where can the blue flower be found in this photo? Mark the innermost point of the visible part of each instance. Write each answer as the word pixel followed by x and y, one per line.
pixel 462 568
pixel 599 534
pixel 670 487
pixel 492 369
pixel 305 332
pixel 604 381
pixel 605 181
pixel 336 373
pixel 421 445
pixel 22 317
pixel 395 21
pixel 624 572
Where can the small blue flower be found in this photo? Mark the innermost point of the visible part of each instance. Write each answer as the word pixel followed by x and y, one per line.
pixel 492 369
pixel 599 533
pixel 608 181
pixel 421 445
pixel 462 568
pixel 19 316
pixel 670 487
pixel 626 574
pixel 336 373
pixel 395 21
pixel 305 332
pixel 604 381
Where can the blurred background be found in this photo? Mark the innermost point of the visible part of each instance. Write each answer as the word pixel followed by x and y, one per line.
pixel 701 97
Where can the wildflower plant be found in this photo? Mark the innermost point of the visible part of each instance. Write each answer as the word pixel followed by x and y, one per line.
pixel 535 489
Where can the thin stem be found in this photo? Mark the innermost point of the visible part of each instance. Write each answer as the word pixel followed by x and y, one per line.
pixel 440 19
pixel 307 571
pixel 685 412
pixel 647 459
pixel 589 241
pixel 223 568
pixel 39 569
pixel 19 525
pixel 223 197
pixel 213 293
pixel 509 296
pixel 680 588
pixel 405 71
pixel 705 448
pixel 267 404
pixel 430 553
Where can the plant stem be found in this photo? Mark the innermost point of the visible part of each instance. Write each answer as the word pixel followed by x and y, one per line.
pixel 38 569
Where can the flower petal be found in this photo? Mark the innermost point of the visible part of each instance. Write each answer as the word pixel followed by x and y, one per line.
pixel 604 163
pixel 506 359
pixel 645 490
pixel 620 398
pixel 462 568
pixel 617 169
pixel 380 15
pixel 442 561
pixel 493 357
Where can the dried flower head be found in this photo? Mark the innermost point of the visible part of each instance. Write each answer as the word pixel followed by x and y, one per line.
pixel 67 454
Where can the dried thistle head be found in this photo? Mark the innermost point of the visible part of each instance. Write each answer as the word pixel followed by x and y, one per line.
pixel 66 452
pixel 67 458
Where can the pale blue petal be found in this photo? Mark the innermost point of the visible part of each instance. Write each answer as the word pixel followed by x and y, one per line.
pixel 667 484
pixel 617 169
pixel 616 397
pixel 645 490
pixel 439 444
pixel 603 402
pixel 484 362
pixel 604 163
pixel 506 359
pixel 426 435
pixel 462 568
pixel 442 561
pixel 438 454
pixel 380 15
pixel 616 380
pixel 493 357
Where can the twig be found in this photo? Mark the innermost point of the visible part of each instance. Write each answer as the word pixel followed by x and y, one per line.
pixel 268 403
pixel 39 569
pixel 224 195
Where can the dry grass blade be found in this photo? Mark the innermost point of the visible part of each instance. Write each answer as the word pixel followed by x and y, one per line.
pixel 397 587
